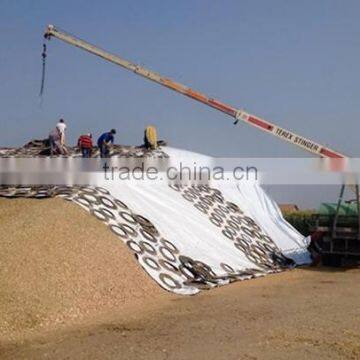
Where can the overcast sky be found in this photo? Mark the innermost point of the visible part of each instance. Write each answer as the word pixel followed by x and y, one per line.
pixel 295 63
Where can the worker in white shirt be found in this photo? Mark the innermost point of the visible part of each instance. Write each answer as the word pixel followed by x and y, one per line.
pixel 61 126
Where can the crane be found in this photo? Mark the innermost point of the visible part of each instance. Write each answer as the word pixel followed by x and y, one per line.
pixel 236 113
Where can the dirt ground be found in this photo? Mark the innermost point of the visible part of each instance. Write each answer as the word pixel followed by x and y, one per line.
pixel 310 313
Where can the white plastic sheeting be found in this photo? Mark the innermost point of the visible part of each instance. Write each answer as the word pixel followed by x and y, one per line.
pixel 191 227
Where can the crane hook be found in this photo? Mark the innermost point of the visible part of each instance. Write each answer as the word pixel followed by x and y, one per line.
pixel 43 56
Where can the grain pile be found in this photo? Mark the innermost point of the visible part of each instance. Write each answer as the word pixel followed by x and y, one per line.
pixel 58 265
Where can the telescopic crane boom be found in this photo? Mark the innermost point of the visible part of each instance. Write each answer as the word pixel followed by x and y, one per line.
pixel 237 114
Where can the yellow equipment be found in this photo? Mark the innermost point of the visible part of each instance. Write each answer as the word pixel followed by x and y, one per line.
pixel 150 137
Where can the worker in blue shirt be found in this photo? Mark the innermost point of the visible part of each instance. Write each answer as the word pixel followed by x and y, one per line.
pixel 104 142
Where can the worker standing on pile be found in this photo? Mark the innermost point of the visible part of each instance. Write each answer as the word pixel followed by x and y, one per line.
pixel 61 126
pixel 85 144
pixel 104 142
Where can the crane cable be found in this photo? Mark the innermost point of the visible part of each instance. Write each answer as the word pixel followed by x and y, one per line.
pixel 43 56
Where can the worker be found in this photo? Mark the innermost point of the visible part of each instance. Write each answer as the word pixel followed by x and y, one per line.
pixel 61 126
pixel 85 144
pixel 56 148
pixel 150 137
pixel 104 142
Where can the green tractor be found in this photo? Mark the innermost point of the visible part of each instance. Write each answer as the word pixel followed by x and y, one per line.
pixel 339 226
